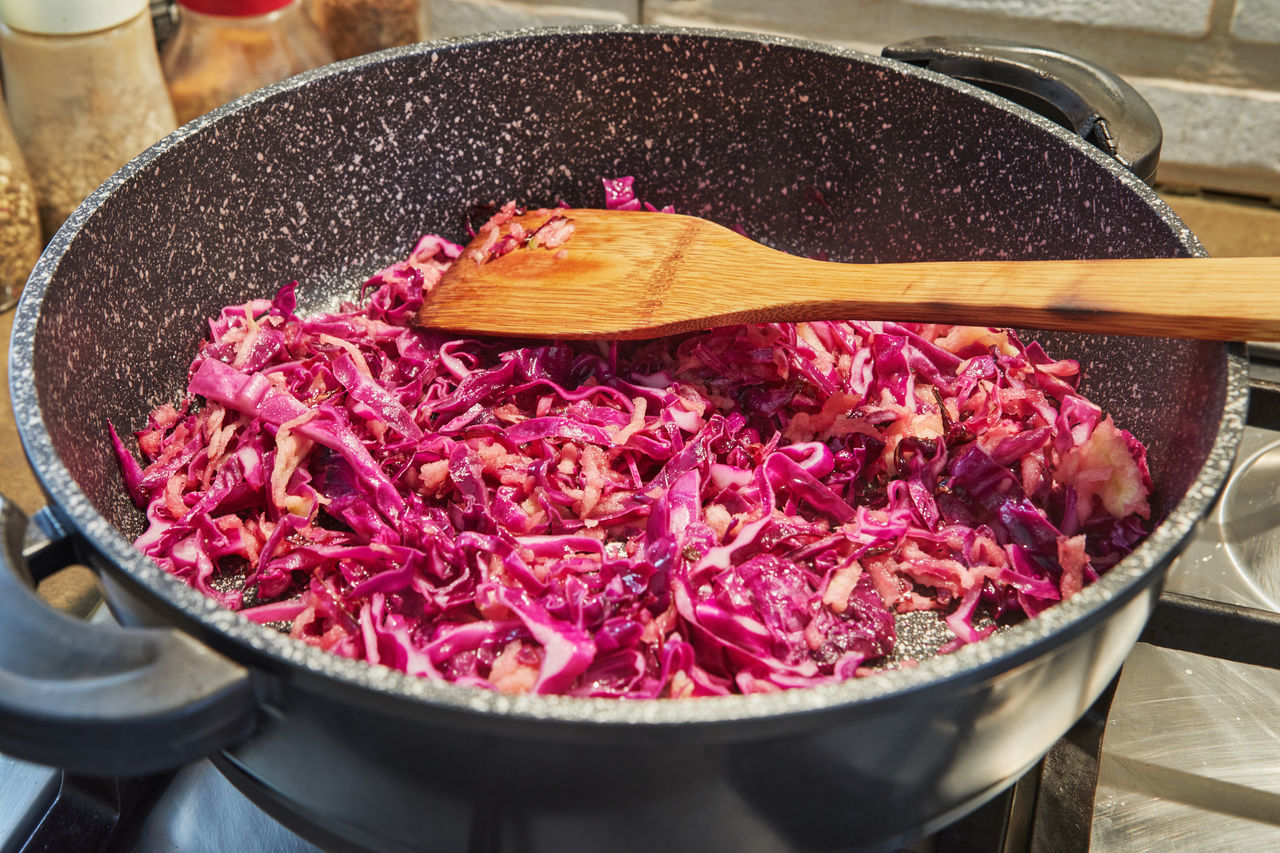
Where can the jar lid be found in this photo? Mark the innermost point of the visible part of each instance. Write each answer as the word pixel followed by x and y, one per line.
pixel 234 8
pixel 68 17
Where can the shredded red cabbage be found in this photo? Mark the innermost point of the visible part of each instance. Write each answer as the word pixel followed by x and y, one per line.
pixel 739 510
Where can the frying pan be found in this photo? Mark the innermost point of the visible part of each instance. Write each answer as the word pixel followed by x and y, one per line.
pixel 327 177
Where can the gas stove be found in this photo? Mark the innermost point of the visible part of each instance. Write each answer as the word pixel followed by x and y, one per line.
pixel 1178 753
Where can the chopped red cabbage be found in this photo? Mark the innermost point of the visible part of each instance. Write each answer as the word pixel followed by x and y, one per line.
pixel 738 510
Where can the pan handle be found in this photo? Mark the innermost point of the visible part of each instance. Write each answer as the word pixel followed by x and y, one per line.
pixel 1098 105
pixel 1231 632
pixel 101 699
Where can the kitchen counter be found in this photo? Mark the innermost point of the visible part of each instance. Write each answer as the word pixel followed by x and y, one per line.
pixel 1226 227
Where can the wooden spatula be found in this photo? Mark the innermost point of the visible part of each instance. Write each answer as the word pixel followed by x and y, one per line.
pixel 631 274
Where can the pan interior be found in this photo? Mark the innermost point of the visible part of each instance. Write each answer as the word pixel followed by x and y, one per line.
pixel 326 178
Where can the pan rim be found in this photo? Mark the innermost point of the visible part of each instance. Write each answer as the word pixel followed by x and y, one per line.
pixel 260 647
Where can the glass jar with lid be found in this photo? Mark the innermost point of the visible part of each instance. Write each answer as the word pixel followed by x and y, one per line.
pixel 85 93
pixel 225 48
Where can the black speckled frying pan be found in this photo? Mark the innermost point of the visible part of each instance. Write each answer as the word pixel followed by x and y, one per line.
pixel 328 176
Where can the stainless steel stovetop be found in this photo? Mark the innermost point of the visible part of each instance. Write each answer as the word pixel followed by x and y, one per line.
pixel 1192 747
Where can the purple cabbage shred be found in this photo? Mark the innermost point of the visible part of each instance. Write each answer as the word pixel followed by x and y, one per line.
pixel 734 511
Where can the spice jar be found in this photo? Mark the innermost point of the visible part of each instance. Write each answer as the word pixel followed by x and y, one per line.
pixel 85 93
pixel 355 27
pixel 225 48
pixel 20 241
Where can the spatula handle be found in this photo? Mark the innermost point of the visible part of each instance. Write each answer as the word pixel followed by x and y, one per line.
pixel 1213 298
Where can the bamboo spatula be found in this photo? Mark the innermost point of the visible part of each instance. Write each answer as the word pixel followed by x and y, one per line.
pixel 634 274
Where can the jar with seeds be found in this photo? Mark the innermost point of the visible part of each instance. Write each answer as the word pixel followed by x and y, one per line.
pixel 20 241
pixel 356 27
pixel 85 93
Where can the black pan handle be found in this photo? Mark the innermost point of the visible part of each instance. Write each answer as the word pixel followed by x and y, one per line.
pixel 101 699
pixel 1231 632
pixel 1102 108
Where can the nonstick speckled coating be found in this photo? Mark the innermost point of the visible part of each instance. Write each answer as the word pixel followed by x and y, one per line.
pixel 326 181
pixel 809 148
pixel 328 176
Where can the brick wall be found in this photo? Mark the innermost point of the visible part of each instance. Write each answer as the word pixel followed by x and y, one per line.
pixel 1211 68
